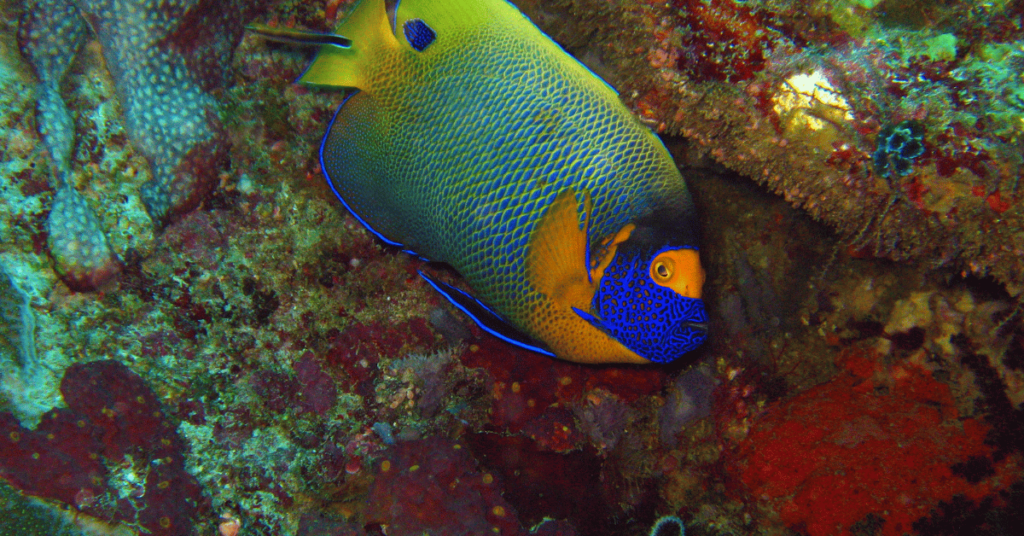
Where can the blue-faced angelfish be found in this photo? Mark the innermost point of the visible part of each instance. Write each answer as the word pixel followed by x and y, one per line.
pixel 473 139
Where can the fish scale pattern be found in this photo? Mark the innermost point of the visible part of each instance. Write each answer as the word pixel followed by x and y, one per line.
pixel 656 325
pixel 416 179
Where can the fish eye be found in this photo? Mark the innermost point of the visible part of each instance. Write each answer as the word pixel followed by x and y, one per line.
pixel 680 270
pixel 661 270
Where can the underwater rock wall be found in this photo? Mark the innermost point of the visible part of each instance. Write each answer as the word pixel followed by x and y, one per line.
pixel 804 97
pixel 285 373
pixel 112 418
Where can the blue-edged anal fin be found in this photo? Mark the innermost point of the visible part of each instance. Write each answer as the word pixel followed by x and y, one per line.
pixel 487 319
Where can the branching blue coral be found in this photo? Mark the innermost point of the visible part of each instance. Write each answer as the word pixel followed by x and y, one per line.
pixel 50 34
pixel 896 148
pixel 17 324
pixel 164 56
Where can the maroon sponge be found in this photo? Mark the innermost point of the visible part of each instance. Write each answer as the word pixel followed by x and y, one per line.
pixel 434 486
pixel 112 453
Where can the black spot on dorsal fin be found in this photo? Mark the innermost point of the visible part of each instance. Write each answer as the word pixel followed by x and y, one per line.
pixel 419 35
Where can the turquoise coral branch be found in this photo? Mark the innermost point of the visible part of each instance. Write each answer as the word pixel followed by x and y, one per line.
pixel 168 114
pixel 165 57
pixel 50 34
pixel 17 323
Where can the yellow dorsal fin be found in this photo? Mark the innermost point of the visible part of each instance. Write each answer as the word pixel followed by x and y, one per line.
pixel 448 16
pixel 556 267
pixel 454 19
pixel 368 29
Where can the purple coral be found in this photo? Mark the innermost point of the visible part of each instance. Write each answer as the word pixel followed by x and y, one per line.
pixel 436 486
pixel 318 391
pixel 603 417
pixel 688 399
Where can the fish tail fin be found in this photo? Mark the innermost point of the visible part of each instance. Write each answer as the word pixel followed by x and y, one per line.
pixel 370 33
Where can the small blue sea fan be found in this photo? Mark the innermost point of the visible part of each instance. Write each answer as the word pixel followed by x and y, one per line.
pixel 896 148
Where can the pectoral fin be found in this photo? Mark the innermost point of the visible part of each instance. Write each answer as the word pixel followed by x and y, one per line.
pixel 591 319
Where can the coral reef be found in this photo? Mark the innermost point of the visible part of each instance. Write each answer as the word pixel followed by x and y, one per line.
pixel 798 97
pixel 32 517
pixel 897 146
pixel 668 526
pixel 51 34
pixel 262 365
pixel 79 248
pixel 164 59
pixel 164 68
pixel 433 486
pixel 17 324
pixel 689 399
